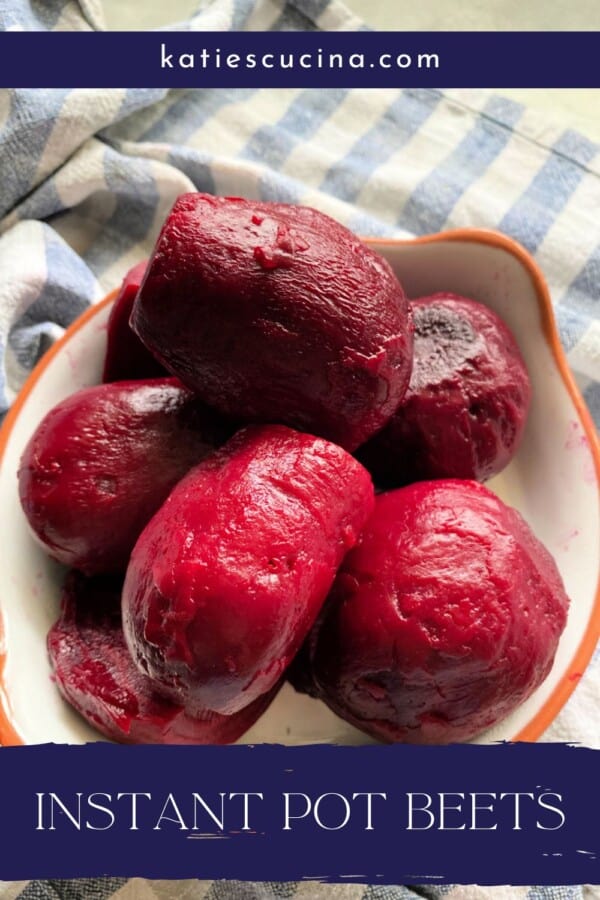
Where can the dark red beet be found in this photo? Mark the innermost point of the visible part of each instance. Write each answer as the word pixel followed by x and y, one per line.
pixel 104 460
pixel 126 357
pixel 96 675
pixel 443 619
pixel 228 577
pixel 466 406
pixel 277 313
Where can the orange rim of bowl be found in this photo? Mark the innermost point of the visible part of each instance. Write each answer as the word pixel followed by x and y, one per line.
pixel 572 675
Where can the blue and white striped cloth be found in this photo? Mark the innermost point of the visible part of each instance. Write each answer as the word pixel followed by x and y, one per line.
pixel 88 176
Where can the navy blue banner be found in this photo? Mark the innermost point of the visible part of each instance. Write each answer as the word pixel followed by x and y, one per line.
pixel 501 814
pixel 300 59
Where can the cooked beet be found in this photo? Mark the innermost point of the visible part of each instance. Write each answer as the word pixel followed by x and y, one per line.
pixel 277 313
pixel 228 577
pixel 96 675
pixel 465 410
pixel 104 460
pixel 443 619
pixel 126 356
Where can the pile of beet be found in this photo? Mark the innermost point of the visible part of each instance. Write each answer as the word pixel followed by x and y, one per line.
pixel 222 536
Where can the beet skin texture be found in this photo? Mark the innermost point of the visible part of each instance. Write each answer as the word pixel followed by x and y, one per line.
pixel 277 313
pixel 228 577
pixel 126 357
pixel 443 619
pixel 96 675
pixel 465 410
pixel 104 460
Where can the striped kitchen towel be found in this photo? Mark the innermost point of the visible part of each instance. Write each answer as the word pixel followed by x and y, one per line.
pixel 143 889
pixel 88 176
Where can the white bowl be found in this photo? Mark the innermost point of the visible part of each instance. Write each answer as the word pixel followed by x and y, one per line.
pixel 553 482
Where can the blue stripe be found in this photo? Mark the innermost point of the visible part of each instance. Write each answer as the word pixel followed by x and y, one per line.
pixel 251 890
pixel 431 203
pixel 572 325
pixel 534 213
pixel 583 292
pixel 190 112
pixel 30 342
pixel 196 166
pixel 434 891
pixel 41 203
pixel 366 225
pixel 272 144
pixel 562 892
pixel 132 126
pixel 280 188
pixel 292 19
pixel 388 892
pixel 23 138
pixel 575 146
pixel 62 298
pixel 581 302
pixel 312 9
pixel 302 16
pixel 400 121
pixel 242 9
pixel 591 395
pixel 31 15
pixel 72 889
pixel 46 14
pixel 503 111
pixel 133 185
pixel 136 99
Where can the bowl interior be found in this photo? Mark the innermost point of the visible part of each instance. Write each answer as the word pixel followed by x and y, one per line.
pixel 552 481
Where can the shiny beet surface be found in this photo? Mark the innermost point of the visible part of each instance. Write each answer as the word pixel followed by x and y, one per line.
pixel 276 313
pixel 465 410
pixel 443 619
pixel 96 675
pixel 228 577
pixel 104 460
pixel 126 357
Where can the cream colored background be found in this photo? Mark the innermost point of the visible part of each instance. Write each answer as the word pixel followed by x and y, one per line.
pixel 575 108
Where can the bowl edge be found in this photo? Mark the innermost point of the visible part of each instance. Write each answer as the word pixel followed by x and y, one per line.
pixel 9 736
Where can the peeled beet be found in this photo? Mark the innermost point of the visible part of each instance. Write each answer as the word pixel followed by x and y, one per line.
pixel 104 460
pixel 126 357
pixel 443 619
pixel 96 675
pixel 277 313
pixel 228 577
pixel 464 412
